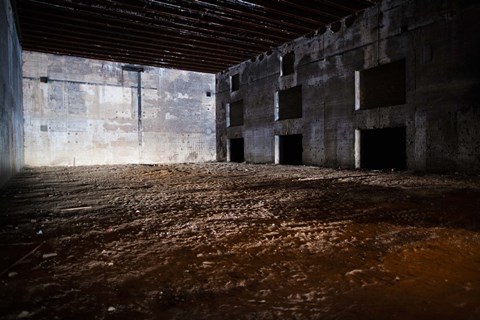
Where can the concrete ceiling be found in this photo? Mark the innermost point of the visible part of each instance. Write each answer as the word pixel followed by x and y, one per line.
pixel 197 35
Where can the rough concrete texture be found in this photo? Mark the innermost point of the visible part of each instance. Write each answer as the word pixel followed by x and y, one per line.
pixel 439 43
pixel 87 113
pixel 11 112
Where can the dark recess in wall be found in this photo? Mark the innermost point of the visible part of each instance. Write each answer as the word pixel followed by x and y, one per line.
pixel 383 148
pixel 290 103
pixel 383 86
pixel 291 149
pixel 235 82
pixel 236 113
pixel 288 61
pixel 237 150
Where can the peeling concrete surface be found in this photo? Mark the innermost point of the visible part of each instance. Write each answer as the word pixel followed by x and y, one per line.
pixel 438 41
pixel 11 112
pixel 86 113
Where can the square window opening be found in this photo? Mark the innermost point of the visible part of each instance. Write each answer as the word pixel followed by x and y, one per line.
pixel 235 114
pixel 288 103
pixel 287 63
pixel 381 86
pixel 235 82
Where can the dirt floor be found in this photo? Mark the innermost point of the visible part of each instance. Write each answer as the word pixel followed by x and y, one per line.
pixel 237 241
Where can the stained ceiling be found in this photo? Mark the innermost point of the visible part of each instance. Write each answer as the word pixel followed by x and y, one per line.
pixel 197 35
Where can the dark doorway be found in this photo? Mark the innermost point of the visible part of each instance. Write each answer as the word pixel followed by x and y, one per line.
pixel 290 149
pixel 236 150
pixel 383 149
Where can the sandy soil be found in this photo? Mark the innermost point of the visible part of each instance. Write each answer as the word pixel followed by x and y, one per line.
pixel 237 241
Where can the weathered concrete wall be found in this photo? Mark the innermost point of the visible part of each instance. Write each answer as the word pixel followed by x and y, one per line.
pixel 86 113
pixel 11 112
pixel 440 45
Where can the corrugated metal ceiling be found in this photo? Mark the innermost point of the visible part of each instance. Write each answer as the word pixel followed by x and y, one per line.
pixel 197 35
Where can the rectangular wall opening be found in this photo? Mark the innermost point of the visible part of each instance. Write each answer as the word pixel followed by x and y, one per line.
pixel 237 150
pixel 383 148
pixel 290 149
pixel 288 103
pixel 381 86
pixel 235 82
pixel 287 63
pixel 235 114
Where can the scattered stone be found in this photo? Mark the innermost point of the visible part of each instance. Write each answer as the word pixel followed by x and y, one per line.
pixel 49 255
pixel 257 246
pixel 12 274
pixel 39 232
pixel 350 273
pixel 75 209
pixel 24 314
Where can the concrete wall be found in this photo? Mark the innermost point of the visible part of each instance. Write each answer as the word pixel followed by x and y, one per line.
pixel 440 44
pixel 11 116
pixel 86 113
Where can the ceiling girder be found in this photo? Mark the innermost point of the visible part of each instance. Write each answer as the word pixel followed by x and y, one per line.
pixel 197 35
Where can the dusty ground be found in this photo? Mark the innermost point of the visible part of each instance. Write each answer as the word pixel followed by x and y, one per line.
pixel 236 241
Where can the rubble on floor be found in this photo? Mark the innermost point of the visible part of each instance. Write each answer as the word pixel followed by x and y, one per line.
pixel 238 241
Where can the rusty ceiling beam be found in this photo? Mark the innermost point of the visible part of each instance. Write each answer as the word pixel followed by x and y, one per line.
pixel 332 12
pixel 211 30
pixel 274 23
pixel 95 48
pixel 354 5
pixel 122 45
pixel 334 5
pixel 71 23
pixel 100 11
pixel 265 6
pixel 53 30
pixel 276 7
pixel 73 51
pixel 199 35
pixel 307 13
pixel 199 12
pixel 155 31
